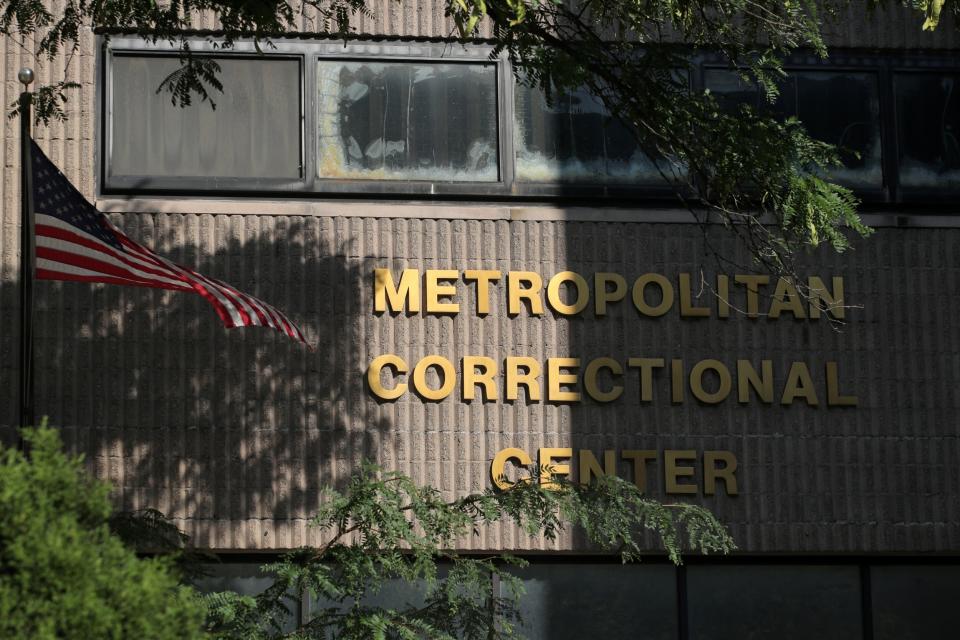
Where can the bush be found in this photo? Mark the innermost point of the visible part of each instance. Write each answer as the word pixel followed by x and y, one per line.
pixel 62 573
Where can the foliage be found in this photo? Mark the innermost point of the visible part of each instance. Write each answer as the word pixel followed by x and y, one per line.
pixel 62 573
pixel 68 567
pixel 765 179
pixel 384 528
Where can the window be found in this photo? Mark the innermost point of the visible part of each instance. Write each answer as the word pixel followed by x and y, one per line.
pixel 610 601
pixel 254 132
pixel 915 601
pixel 427 120
pixel 246 579
pixel 574 138
pixel 407 121
pixel 841 108
pixel 928 129
pixel 774 602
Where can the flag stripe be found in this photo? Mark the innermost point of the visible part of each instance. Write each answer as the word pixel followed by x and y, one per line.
pixel 56 239
pixel 46 270
pixel 256 307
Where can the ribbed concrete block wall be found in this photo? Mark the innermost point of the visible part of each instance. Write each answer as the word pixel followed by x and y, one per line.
pixel 234 433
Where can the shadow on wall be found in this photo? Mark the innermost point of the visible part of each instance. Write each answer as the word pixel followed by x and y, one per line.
pixel 203 423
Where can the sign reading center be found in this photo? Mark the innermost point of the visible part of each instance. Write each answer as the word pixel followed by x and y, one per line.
pixel 682 471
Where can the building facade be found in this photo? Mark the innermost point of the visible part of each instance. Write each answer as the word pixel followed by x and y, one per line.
pixel 492 280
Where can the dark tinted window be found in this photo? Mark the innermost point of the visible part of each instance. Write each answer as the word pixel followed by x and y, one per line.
pixel 407 121
pixel 774 602
pixel 841 108
pixel 574 138
pixel 576 601
pixel 254 132
pixel 928 129
pixel 916 602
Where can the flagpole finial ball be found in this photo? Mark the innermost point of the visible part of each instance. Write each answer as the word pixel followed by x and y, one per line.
pixel 25 75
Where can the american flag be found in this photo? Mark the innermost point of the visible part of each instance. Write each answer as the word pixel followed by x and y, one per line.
pixel 77 242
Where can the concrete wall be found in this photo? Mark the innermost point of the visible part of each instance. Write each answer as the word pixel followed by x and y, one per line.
pixel 234 433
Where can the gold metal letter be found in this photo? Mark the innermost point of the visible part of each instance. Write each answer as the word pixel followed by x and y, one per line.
pixel 373 376
pixel 696 381
pixel 786 298
pixel 602 295
pixel 471 378
pixel 687 310
pixel 640 302
pixel 436 290
pixel 498 466
pixel 420 377
pixel 590 468
pixel 532 293
pixel 553 293
pixel 676 381
pixel 823 301
pixel 646 366
pixel 723 296
pixel 483 277
pixel 747 377
pixel 639 457
pixel 726 473
pixel 556 379
pixel 590 380
pixel 799 384
pixel 672 471
pixel 529 379
pixel 752 283
pixel 385 293
pixel 834 399
pixel 546 456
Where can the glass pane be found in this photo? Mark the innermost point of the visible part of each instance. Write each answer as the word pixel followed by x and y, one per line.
pixel 915 602
pixel 841 108
pixel 575 139
pixel 928 129
pixel 246 579
pixel 254 132
pixel 576 601
pixel 393 593
pixel 774 602
pixel 407 121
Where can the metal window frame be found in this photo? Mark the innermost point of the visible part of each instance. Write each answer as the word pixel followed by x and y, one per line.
pixel 310 53
pixel 430 53
pixel 135 184
pixel 884 65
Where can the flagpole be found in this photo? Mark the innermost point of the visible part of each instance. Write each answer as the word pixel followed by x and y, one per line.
pixel 27 417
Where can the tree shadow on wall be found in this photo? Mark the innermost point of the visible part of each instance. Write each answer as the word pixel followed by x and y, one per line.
pixel 206 424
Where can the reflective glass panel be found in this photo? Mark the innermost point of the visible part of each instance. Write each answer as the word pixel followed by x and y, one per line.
pixel 407 121
pixel 254 132
pixel 574 138
pixel 610 601
pixel 915 602
pixel 246 579
pixel 928 129
pixel 838 107
pixel 774 602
